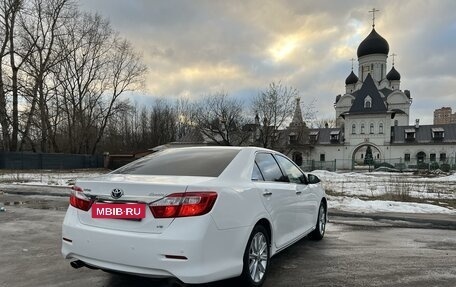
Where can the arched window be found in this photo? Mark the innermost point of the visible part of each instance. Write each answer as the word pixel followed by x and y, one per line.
pixel 362 128
pixel 371 128
pixel 380 128
pixel 368 102
pixel 353 129
pixel 421 157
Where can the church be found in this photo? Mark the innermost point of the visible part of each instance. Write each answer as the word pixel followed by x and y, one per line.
pixel 372 124
pixel 372 119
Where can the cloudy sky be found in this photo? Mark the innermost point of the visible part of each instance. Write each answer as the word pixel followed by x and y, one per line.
pixel 195 48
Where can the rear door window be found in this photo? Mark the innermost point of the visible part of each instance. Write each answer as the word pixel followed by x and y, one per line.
pixel 290 170
pixel 256 173
pixel 269 168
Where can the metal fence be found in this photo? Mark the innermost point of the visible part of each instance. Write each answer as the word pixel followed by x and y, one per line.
pixel 400 164
pixel 30 160
pixel 309 165
pixel 392 164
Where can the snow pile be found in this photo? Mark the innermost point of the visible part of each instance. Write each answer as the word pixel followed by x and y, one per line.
pixel 374 184
pixel 343 188
pixel 371 206
pixel 47 177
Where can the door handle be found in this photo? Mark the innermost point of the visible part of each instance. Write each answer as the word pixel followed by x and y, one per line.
pixel 267 193
pixel 298 192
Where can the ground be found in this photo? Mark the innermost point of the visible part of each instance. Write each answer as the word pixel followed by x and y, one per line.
pixel 354 252
pixel 349 191
pixel 364 244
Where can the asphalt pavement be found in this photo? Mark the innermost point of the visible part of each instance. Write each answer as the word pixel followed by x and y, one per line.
pixel 356 251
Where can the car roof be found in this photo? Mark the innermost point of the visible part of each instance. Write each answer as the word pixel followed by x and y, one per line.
pixel 222 148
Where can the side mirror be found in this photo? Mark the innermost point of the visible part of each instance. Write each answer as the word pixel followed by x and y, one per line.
pixel 313 178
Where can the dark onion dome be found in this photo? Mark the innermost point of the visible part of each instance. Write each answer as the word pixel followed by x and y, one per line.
pixel 393 75
pixel 373 44
pixel 351 79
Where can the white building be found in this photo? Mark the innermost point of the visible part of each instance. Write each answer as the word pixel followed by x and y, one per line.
pixel 374 112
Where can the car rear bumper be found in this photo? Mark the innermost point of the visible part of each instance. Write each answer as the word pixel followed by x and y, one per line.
pixel 211 254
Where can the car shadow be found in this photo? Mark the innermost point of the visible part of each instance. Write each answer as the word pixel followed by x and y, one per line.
pixel 277 263
pixel 121 280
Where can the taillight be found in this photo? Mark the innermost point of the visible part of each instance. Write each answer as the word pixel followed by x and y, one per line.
pixel 183 204
pixel 79 200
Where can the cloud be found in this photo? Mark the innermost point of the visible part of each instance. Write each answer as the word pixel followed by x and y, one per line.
pixel 194 48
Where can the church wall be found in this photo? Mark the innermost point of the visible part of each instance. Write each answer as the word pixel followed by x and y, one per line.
pixel 331 153
pixel 374 64
pixel 390 153
pixel 376 137
pixel 397 98
pixel 399 151
pixel 350 88
pixel 402 120
pixel 395 85
pixel 342 106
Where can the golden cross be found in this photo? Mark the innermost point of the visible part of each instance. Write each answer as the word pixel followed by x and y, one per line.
pixel 373 16
pixel 393 55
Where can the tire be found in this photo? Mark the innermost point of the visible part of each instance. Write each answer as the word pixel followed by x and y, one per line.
pixel 320 227
pixel 256 258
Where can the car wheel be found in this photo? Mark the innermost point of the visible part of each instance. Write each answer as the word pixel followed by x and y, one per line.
pixel 320 227
pixel 256 258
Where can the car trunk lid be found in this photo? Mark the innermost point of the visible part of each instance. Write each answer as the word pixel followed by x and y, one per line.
pixel 142 189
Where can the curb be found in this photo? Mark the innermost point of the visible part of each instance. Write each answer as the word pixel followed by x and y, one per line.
pixel 61 191
pixel 436 221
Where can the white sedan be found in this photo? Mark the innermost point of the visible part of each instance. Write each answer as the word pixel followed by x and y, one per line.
pixel 197 214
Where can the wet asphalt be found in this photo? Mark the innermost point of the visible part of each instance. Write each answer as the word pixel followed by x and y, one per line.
pixel 354 252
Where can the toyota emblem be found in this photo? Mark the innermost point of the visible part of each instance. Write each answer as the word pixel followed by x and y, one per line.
pixel 116 193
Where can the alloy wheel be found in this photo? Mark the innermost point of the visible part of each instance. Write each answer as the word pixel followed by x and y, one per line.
pixel 322 220
pixel 258 257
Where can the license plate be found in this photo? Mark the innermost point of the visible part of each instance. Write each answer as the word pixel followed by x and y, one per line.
pixel 119 211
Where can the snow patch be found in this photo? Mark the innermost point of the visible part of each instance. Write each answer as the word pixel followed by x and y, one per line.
pixel 372 206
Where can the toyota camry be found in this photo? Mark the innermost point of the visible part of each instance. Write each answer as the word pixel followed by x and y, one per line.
pixel 197 214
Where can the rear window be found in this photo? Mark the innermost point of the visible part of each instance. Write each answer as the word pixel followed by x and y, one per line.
pixel 182 162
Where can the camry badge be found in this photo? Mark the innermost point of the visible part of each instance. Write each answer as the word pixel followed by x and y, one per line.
pixel 116 193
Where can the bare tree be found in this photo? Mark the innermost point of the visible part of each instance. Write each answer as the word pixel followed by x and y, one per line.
pixel 125 74
pixel 68 70
pixel 184 117
pixel 325 123
pixel 43 23
pixel 99 69
pixel 274 106
pixel 310 112
pixel 9 13
pixel 221 119
pixel 139 128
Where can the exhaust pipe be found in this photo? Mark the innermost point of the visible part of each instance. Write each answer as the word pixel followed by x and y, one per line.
pixel 77 264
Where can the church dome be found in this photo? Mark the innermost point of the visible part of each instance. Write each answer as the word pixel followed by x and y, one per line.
pixel 393 75
pixel 373 44
pixel 351 79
